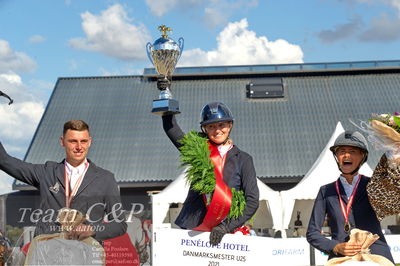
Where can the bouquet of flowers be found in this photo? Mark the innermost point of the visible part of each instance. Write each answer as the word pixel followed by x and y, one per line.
pixel 364 258
pixel 384 188
pixel 384 134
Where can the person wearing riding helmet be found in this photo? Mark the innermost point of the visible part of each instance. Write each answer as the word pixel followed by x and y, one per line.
pixel 345 203
pixel 238 171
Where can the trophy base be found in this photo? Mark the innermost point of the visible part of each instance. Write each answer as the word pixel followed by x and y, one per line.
pixel 165 107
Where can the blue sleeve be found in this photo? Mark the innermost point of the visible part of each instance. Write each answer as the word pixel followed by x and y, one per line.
pixel 251 193
pixel 314 232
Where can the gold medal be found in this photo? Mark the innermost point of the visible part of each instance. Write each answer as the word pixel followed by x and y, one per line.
pixel 347 227
pixel 346 208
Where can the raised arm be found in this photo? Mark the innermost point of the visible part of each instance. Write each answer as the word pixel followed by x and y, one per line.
pixel 23 171
pixel 172 129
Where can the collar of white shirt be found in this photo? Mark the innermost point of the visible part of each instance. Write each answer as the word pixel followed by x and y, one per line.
pixel 76 170
pixel 348 188
pixel 74 173
pixel 223 149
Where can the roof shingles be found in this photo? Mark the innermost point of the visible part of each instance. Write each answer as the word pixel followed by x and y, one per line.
pixel 284 136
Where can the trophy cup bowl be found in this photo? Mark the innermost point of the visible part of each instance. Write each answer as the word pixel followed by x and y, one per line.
pixel 164 54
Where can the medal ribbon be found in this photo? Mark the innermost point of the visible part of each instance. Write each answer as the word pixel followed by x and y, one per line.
pixel 346 210
pixel 222 197
pixel 68 193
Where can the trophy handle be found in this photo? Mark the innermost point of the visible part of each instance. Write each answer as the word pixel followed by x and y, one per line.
pixel 8 97
pixel 148 50
pixel 180 44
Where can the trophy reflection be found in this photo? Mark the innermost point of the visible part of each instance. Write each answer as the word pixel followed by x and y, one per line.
pixel 164 54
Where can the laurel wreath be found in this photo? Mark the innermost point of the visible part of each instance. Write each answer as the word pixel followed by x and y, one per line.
pixel 195 157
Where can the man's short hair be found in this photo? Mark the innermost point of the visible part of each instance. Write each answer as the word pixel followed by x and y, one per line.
pixel 78 125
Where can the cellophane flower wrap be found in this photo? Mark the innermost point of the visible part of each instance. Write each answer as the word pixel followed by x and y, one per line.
pixel 365 239
pixel 384 134
pixel 384 187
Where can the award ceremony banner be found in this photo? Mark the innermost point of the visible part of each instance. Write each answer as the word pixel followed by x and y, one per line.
pixel 185 247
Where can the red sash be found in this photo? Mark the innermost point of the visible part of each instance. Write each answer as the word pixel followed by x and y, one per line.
pixel 222 196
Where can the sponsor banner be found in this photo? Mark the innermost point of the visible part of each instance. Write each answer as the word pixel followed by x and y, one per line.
pixel 320 257
pixel 394 244
pixel 184 247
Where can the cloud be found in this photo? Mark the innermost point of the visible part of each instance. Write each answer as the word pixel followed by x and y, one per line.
pixel 161 7
pixel 386 27
pixel 214 16
pixel 5 183
pixel 392 3
pixel 11 60
pixel 236 45
pixel 340 32
pixel 382 29
pixel 111 33
pixel 36 39
pixel 218 12
pixel 19 120
pixel 213 13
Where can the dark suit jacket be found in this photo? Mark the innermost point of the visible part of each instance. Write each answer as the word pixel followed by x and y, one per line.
pixel 98 195
pixel 361 216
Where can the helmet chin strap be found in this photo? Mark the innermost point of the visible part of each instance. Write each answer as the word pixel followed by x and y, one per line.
pixel 225 141
pixel 352 172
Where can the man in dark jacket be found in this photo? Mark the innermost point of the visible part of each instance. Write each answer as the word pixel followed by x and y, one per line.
pixel 76 183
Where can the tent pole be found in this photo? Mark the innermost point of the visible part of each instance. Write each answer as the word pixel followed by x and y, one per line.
pixel 312 256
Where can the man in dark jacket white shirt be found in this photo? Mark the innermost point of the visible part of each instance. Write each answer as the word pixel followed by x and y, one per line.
pixel 76 183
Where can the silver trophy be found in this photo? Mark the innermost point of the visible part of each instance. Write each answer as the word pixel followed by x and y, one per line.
pixel 164 53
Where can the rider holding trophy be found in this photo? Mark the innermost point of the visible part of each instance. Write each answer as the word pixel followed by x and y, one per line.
pixel 223 193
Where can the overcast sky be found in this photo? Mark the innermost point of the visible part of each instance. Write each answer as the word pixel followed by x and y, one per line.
pixel 41 41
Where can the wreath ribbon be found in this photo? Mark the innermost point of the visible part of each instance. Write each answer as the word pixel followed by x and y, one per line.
pixel 222 197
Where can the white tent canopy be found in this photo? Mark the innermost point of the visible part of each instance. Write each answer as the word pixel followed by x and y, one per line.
pixel 176 192
pixel 274 203
pixel 323 171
